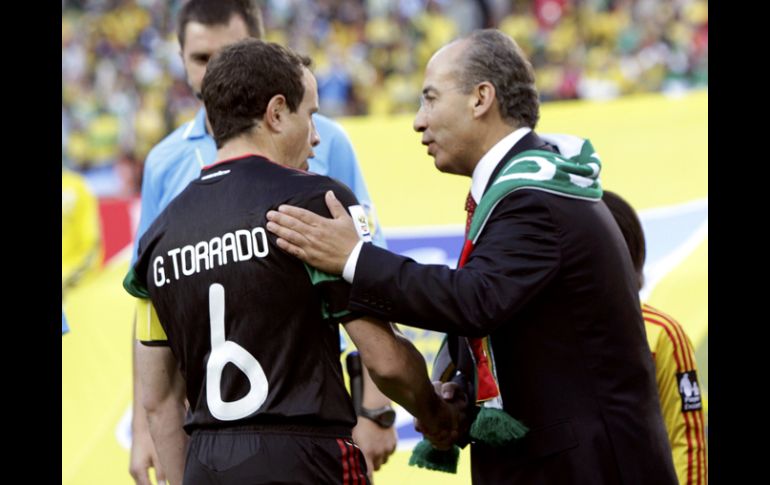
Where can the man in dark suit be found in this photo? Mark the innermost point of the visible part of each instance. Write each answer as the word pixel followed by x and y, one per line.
pixel 544 302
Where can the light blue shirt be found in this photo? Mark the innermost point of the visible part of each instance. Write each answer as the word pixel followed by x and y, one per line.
pixel 64 327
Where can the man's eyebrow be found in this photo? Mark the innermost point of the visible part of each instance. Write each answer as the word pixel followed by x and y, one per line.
pixel 428 89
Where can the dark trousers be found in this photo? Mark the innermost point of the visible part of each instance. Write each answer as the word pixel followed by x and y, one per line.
pixel 250 458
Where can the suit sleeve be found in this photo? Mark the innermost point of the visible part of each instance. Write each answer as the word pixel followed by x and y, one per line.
pixel 514 258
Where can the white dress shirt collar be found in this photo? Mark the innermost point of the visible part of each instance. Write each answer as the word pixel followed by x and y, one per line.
pixel 489 161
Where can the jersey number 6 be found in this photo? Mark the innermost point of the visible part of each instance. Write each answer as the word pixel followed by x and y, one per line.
pixel 224 352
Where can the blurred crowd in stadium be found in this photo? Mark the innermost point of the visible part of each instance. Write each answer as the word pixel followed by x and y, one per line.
pixel 123 83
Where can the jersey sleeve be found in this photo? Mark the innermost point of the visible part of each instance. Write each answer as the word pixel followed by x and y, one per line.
pixel 675 364
pixel 335 291
pixel 149 330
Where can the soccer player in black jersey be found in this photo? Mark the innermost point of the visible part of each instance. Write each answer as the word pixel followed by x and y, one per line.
pixel 247 333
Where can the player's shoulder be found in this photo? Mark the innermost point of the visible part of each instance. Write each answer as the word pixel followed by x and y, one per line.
pixel 666 325
pixel 175 145
pixel 650 313
pixel 309 189
pixel 324 183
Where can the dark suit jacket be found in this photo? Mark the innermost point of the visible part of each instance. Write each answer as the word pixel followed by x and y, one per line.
pixel 551 282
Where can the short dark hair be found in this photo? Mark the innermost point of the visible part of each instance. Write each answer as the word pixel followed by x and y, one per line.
pixel 631 227
pixel 219 12
pixel 242 79
pixel 495 57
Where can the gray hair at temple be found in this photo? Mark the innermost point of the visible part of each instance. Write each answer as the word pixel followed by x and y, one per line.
pixel 495 57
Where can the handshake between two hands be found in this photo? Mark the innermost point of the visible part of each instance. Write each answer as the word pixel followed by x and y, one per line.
pixel 447 421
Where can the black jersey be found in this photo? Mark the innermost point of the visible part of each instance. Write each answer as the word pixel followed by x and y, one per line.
pixel 254 329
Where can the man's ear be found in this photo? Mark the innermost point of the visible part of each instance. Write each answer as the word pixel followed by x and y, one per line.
pixel 276 112
pixel 484 98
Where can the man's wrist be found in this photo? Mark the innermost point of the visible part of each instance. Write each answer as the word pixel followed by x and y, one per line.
pixel 349 271
pixel 384 416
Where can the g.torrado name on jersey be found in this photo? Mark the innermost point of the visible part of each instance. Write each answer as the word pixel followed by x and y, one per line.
pixel 232 247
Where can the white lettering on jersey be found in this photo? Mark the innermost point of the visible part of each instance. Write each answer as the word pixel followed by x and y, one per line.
pixel 215 249
pixel 259 237
pixel 188 253
pixel 201 254
pixel 240 245
pixel 244 248
pixel 173 253
pixel 228 245
pixel 226 351
pixel 160 275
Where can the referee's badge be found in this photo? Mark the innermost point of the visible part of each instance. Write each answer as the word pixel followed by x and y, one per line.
pixel 361 222
pixel 689 390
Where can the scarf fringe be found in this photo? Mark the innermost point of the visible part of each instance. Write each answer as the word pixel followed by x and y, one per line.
pixel 495 427
pixel 424 455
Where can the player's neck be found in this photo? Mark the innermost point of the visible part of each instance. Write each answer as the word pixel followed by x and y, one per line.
pixel 241 146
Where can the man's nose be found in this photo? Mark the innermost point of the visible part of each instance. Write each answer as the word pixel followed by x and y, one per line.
pixel 419 124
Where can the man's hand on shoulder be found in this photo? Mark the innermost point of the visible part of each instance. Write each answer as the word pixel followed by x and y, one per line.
pixel 320 242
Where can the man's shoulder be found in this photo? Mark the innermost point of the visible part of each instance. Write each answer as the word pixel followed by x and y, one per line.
pixel 312 184
pixel 175 145
pixel 325 183
pixel 310 190
pixel 656 317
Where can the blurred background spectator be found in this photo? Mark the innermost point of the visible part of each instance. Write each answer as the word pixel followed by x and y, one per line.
pixel 81 244
pixel 123 84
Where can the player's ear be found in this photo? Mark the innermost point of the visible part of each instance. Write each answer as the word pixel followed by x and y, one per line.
pixel 275 113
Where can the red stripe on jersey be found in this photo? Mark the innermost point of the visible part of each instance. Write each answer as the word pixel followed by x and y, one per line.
pixel 240 157
pixel 697 417
pixel 679 366
pixel 656 317
pixel 705 462
pixel 688 356
pixel 702 452
pixel 344 459
pixel 666 325
pixel 219 162
pixel 700 427
pixel 688 352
